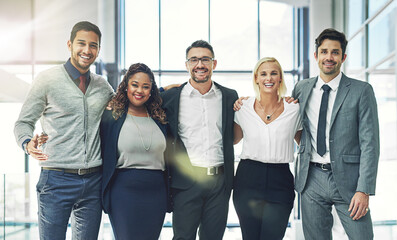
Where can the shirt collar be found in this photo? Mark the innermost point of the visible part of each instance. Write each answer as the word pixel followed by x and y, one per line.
pixel 333 84
pixel 191 90
pixel 73 72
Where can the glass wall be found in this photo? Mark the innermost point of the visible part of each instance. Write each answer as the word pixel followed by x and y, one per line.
pixel 158 33
pixel 372 58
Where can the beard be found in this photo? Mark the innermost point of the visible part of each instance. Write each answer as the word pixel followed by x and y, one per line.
pixel 200 81
pixel 194 78
pixel 332 71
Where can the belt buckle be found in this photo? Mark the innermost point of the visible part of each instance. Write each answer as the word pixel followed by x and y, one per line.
pixel 212 171
pixel 323 167
pixel 79 171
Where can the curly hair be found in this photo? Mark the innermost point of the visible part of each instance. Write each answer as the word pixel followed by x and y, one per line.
pixel 120 101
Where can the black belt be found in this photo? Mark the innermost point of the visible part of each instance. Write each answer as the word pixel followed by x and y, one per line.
pixel 81 171
pixel 323 166
pixel 210 170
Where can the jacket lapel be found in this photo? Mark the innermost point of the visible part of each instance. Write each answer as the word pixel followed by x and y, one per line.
pixel 224 107
pixel 174 102
pixel 343 90
pixel 307 90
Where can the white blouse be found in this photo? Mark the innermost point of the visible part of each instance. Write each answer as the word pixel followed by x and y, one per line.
pixel 268 143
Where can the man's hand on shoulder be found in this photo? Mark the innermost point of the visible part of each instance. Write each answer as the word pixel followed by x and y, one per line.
pixel 168 87
pixel 291 100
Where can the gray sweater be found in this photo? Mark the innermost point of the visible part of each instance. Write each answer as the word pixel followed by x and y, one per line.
pixel 69 118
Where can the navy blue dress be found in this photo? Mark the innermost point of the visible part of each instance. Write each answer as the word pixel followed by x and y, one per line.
pixel 135 199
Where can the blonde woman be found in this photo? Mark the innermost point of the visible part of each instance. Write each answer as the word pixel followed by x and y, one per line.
pixel 264 187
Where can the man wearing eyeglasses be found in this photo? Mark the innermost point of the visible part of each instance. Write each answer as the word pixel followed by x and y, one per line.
pixel 200 114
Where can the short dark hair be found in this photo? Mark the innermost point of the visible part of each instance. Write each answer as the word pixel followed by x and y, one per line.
pixel 332 34
pixel 86 26
pixel 200 44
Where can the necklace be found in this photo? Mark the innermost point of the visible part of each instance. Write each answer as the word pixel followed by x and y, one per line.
pixel 140 134
pixel 269 116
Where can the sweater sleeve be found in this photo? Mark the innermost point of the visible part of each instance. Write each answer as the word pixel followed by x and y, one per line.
pixel 32 110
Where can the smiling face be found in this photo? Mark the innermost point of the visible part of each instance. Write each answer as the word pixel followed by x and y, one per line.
pixel 138 89
pixel 200 73
pixel 268 77
pixel 84 50
pixel 329 59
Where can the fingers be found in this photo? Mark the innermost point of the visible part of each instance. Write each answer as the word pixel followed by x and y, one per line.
pixel 109 107
pixel 171 86
pixel 33 151
pixel 361 212
pixel 238 103
pixel 38 155
pixel 359 206
pixel 290 100
pixel 43 138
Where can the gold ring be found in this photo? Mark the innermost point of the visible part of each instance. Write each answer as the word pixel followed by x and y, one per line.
pixel 366 209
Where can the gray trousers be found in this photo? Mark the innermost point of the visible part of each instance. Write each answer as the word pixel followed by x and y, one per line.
pixel 318 197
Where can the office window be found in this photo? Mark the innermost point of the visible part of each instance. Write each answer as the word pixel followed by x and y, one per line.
pixel 355 15
pixel 355 61
pixel 382 35
pixel 374 6
pixel 182 22
pixel 141 33
pixel 277 39
pixel 234 34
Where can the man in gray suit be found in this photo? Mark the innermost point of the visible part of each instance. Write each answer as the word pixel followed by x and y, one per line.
pixel 339 148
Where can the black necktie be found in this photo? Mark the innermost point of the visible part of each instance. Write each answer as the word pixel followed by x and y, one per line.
pixel 322 121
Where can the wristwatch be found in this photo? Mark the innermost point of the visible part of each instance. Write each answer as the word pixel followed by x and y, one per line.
pixel 24 146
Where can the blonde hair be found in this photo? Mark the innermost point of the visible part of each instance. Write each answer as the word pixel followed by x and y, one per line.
pixel 282 88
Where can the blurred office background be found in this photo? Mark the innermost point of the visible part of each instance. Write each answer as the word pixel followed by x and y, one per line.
pixel 34 33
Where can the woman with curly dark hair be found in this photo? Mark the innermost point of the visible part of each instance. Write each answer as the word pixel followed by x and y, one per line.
pixel 133 141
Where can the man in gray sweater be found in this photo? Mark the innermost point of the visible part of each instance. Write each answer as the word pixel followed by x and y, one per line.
pixel 69 101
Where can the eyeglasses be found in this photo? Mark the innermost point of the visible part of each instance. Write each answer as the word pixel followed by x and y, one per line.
pixel 193 61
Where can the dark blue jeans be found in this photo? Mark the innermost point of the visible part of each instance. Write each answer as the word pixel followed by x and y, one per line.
pixel 61 194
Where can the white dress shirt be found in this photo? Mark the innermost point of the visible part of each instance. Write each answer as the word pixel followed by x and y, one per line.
pixel 200 125
pixel 268 143
pixel 313 111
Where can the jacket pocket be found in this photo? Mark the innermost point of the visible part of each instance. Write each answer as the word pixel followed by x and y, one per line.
pixel 351 158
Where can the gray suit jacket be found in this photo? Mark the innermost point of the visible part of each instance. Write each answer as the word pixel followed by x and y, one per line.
pixel 353 137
